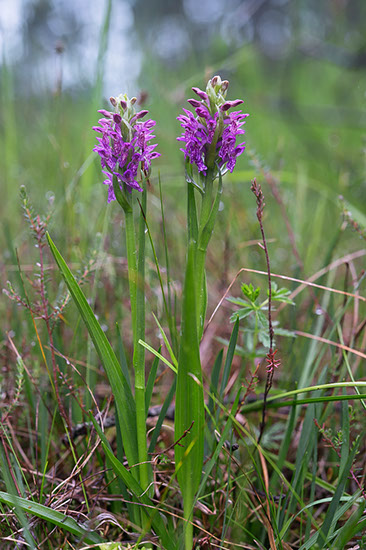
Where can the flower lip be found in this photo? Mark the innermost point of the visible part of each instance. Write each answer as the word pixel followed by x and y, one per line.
pixel 202 111
pixel 105 113
pixel 230 104
pixel 140 114
pixel 117 118
pixel 224 85
pixel 194 102
pixel 200 93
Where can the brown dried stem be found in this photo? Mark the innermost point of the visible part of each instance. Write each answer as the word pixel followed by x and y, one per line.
pixel 272 362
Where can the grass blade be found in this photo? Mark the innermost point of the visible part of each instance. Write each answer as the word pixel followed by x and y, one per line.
pixel 53 516
pixel 151 382
pixel 352 527
pixel 162 415
pixel 343 477
pixel 229 357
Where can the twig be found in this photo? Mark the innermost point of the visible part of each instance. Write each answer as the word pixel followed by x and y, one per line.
pixel 185 433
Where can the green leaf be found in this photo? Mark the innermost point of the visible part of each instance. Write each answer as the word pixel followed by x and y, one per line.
pixel 120 387
pixel 229 357
pixel 240 314
pixel 264 338
pixel 157 355
pixel 53 516
pixel 249 292
pixel 240 302
pixel 151 382
pixel 140 495
pixel 159 423
pixel 352 527
pixel 281 295
pixel 215 455
pixel 122 356
pixel 214 385
pixel 189 405
pixel 262 319
pixel 343 477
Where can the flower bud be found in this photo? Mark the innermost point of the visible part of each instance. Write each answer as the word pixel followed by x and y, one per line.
pixel 215 81
pixel 133 100
pixel 123 104
pixel 224 86
pixel 113 101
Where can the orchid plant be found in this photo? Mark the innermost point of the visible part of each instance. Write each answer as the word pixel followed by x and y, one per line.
pixel 210 149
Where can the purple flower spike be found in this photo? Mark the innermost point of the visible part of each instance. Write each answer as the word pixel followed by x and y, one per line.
pixel 210 134
pixel 124 157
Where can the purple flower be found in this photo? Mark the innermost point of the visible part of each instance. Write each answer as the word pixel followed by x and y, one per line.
pixel 195 137
pixel 120 156
pixel 212 133
pixel 227 149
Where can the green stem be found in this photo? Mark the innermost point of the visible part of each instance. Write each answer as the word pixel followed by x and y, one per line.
pixel 255 340
pixel 202 250
pixel 132 266
pixel 206 200
pixel 139 352
pixel 188 526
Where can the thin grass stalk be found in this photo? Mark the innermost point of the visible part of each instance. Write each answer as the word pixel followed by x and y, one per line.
pixel 9 129
pixel 171 316
pixel 8 476
pixel 167 305
pixel 87 178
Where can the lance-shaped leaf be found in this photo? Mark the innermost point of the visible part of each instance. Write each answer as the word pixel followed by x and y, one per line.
pixel 189 405
pixel 120 387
